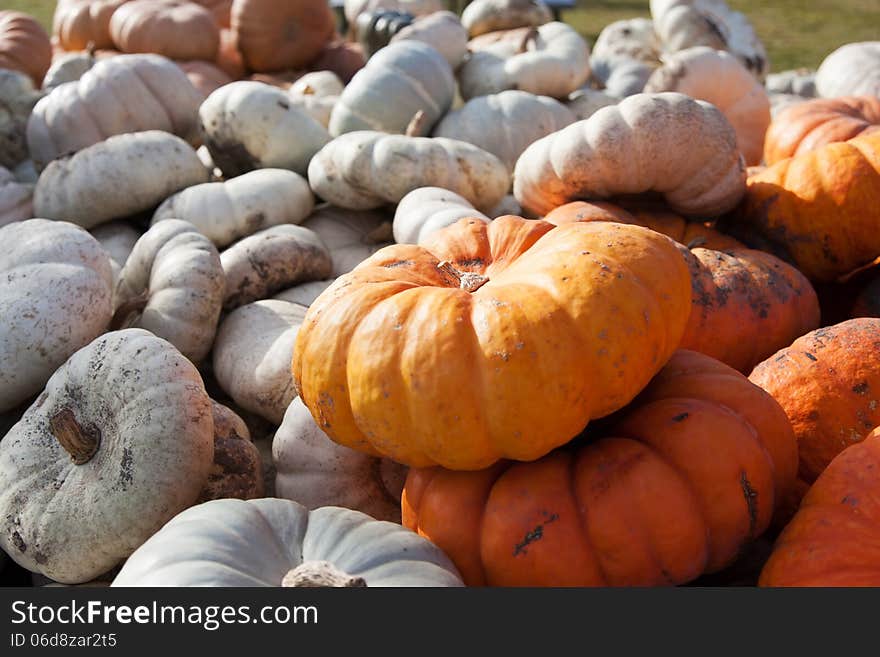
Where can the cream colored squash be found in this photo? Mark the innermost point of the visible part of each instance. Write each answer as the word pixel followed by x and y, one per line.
pixel 400 80
pixel 118 177
pixel 442 30
pixel 69 67
pixel 17 100
pixel 351 235
pixel 122 94
pixel 354 8
pixel 237 470
pixel 717 77
pixel 585 102
pixel 634 147
pixel 271 260
pixel 633 38
pixel 852 69
pixel 366 169
pixel 316 93
pixel 779 102
pixel 118 239
pixel 504 124
pixel 427 209
pixel 551 60
pixel 315 471
pixel 799 82
pixel 120 440
pixel 276 542
pixel 305 293
pixel 252 356
pixel 172 285
pixel 482 16
pixel 509 205
pixel 55 297
pixel 16 198
pixel 249 125
pixel 682 24
pixel 621 77
pixel 227 211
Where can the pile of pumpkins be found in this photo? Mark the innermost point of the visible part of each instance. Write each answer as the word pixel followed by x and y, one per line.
pixel 442 300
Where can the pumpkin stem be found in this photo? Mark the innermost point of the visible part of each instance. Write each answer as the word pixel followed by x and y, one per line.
pixel 416 124
pixel 320 574
pixel 91 48
pixel 467 280
pixel 129 312
pixel 82 445
pixel 308 90
pixel 528 37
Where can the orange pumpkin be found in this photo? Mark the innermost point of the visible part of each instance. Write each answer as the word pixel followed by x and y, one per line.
pixel 177 29
pixel 867 300
pixel 275 35
pixel 228 56
pixel 220 9
pixel 492 341
pixel 344 58
pixel 675 486
pixel 819 210
pixel 806 126
pixel 205 76
pixel 828 382
pixel 834 539
pixel 746 304
pixel 24 45
pixel 78 23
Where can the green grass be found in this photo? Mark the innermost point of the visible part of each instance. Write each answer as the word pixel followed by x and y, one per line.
pixel 795 32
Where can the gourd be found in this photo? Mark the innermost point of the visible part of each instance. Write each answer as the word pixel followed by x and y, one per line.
pixel 482 16
pixel 237 470
pixel 205 76
pixel 68 67
pixel 304 294
pixel 632 38
pixel 354 8
pixel 316 93
pixel 17 99
pixel 227 211
pixel 350 235
pixel 24 45
pixel 118 177
pixel 249 125
pixel 56 296
pixel 373 379
pixel 118 239
pixel 177 29
pixel 374 29
pixel 120 440
pixel 442 30
pixel 799 82
pixel 77 23
pixel 274 542
pixel 427 209
pixel 172 284
pixel 584 102
pixel 850 70
pixel 16 199
pixel 621 77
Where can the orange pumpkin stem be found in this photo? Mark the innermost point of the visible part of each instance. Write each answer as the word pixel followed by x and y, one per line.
pixel 320 574
pixel 82 445
pixel 467 280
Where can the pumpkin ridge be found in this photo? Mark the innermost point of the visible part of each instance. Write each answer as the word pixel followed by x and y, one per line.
pixel 583 518
pixel 157 93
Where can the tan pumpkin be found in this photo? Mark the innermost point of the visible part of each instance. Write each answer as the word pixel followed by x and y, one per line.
pixel 719 78
pixel 24 45
pixel 78 23
pixel 635 147
pixel 177 29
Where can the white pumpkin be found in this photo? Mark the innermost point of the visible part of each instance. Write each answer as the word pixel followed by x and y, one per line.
pixel 428 209
pixel 482 16
pixel 316 93
pixel 252 356
pixel 351 235
pixel 779 102
pixel 55 297
pixel 118 177
pixel 504 124
pixel 442 30
pixel 509 205
pixel 366 169
pixel 249 125
pixel 551 60
pixel 717 77
pixel 120 441
pixel 635 147
pixel 227 211
pixel 852 69
pixel 26 172
pixel 799 82
pixel 16 198
pixel 118 239
pixel 315 471
pixel 354 8
pixel 122 94
pixel 276 542
pixel 305 293
pixel 237 470
pixel 585 102
pixel 271 260
pixel 69 67
pixel 399 81
pixel 172 285
pixel 621 77
pixel 682 24
pixel 633 38
pixel 17 100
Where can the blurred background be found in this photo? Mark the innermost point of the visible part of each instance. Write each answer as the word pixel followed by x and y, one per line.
pixel 796 33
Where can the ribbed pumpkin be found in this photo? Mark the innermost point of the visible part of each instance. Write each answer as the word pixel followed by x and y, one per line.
pixel 677 485
pixel 834 540
pixel 24 45
pixel 828 382
pixel 819 210
pixel 491 341
pixel 77 23
pixel 221 10
pixel 274 35
pixel 177 29
pixel 806 126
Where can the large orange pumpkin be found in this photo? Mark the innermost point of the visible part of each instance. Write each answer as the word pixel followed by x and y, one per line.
pixel 680 482
pixel 177 29
pixel 834 539
pixel 819 210
pixel 492 341
pixel 24 45
pixel 746 304
pixel 806 126
pixel 78 23
pixel 828 382
pixel 274 35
